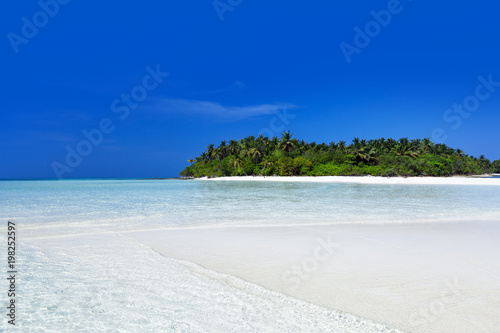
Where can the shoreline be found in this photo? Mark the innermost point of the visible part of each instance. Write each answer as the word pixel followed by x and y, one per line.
pixel 454 180
pixel 418 278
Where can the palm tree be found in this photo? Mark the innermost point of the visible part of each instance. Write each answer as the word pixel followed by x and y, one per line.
pixel 223 148
pixel 286 144
pixel 426 145
pixel 403 150
pixel 261 140
pixel 390 144
pixel 356 144
pixel 275 142
pixel 219 154
pixel 370 156
pixel 255 153
pixel 378 145
pixel 210 151
pixel 215 154
pixel 246 145
pixel 237 162
pixel 233 147
pixel 341 145
pixel 363 153
pixel 265 165
pixel 267 147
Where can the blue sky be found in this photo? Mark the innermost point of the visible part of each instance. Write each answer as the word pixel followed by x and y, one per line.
pixel 155 82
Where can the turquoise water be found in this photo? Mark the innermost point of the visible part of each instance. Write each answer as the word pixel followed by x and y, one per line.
pixel 79 271
pixel 182 203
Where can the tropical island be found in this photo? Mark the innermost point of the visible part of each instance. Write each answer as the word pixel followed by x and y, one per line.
pixel 287 156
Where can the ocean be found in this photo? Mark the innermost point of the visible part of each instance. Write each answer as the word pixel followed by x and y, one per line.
pixel 79 270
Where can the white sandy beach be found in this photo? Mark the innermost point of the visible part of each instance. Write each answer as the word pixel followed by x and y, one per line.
pixel 418 278
pixel 430 277
pixel 456 180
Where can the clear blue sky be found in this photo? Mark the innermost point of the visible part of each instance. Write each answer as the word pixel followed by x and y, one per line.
pixel 72 66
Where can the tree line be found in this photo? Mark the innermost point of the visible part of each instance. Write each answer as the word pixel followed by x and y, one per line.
pixel 287 156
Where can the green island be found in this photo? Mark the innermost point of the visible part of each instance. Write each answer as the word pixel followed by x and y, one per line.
pixel 287 156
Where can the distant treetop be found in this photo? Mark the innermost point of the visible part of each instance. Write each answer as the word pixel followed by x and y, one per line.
pixel 288 156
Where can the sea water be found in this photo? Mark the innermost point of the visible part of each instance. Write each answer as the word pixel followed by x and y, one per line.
pixel 79 270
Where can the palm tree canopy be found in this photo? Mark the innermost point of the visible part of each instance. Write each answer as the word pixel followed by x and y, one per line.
pixel 288 156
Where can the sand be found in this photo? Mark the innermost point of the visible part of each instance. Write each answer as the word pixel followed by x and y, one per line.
pixel 422 277
pixel 441 277
pixel 489 181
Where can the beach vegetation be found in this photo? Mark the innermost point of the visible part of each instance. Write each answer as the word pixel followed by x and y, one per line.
pixel 288 156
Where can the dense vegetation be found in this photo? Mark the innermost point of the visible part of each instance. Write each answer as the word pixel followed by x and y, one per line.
pixel 287 156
